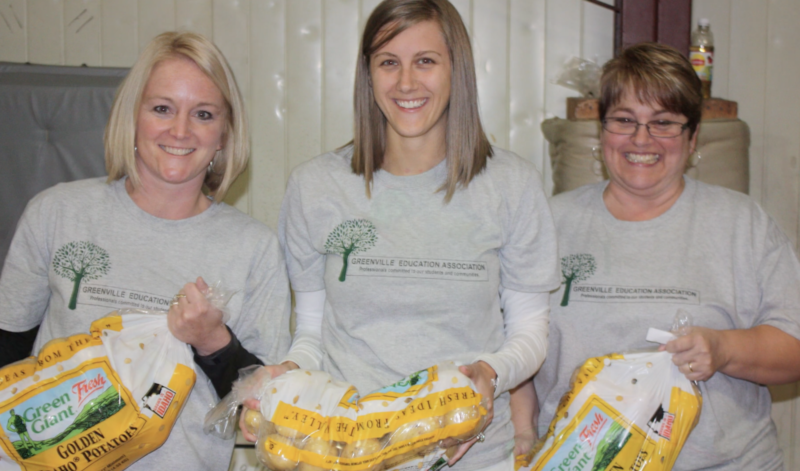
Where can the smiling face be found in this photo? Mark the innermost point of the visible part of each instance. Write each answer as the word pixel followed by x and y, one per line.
pixel 181 124
pixel 411 83
pixel 641 165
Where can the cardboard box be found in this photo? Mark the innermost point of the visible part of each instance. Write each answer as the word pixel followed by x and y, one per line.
pixel 589 109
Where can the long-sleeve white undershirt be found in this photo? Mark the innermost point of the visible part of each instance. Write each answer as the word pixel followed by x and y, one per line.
pixel 522 353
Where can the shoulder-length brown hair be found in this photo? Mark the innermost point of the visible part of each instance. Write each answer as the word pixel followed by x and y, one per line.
pixel 120 135
pixel 467 146
pixel 654 73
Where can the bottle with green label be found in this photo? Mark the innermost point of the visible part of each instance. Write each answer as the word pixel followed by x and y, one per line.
pixel 702 54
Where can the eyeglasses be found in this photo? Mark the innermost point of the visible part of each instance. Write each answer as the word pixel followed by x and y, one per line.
pixel 657 128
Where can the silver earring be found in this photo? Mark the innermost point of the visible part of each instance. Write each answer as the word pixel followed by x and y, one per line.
pixel 135 149
pixel 694 158
pixel 597 153
pixel 211 166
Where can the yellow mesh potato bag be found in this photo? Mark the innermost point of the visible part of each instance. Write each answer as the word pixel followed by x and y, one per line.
pixel 311 422
pixel 624 411
pixel 96 401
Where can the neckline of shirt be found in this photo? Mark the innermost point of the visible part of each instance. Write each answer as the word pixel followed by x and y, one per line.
pixel 118 188
pixel 686 195
pixel 434 177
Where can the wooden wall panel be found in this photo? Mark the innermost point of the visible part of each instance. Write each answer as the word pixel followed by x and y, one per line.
pixel 304 86
pixel 562 42
pixel 780 194
pixel 120 39
pixel 154 17
pixel 13 37
pixel 268 166
pixel 598 33
pixel 780 169
pixel 526 84
pixel 340 51
pixel 231 35
pixel 82 32
pixel 747 78
pixel 198 15
pixel 45 31
pixel 490 42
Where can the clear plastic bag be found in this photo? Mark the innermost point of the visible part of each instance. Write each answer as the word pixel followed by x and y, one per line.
pixel 311 422
pixel 581 75
pixel 623 411
pixel 100 400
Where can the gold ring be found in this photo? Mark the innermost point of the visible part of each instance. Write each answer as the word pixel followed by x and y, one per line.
pixel 690 367
pixel 173 303
pixel 180 295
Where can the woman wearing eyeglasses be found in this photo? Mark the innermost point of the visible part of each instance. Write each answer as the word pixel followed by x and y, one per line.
pixel 650 241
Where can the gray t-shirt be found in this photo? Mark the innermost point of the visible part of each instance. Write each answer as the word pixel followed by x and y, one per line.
pixel 148 261
pixel 412 281
pixel 715 254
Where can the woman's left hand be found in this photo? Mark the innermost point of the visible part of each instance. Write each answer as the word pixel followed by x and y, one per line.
pixel 481 374
pixel 697 354
pixel 192 319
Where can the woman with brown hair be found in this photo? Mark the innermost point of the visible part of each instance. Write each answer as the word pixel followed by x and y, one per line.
pixel 657 241
pixel 404 246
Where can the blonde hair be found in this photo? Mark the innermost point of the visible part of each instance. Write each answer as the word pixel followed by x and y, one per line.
pixel 467 146
pixel 120 134
pixel 655 73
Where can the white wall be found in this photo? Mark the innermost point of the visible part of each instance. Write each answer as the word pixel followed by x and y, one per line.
pixel 757 64
pixel 295 60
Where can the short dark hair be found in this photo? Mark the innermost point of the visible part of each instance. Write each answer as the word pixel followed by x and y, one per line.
pixel 655 73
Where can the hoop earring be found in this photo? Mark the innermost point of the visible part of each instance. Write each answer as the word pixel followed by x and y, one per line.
pixel 597 153
pixel 694 158
pixel 211 164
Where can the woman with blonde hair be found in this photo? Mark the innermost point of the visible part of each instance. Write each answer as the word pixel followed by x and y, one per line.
pixel 175 142
pixel 404 246
pixel 672 243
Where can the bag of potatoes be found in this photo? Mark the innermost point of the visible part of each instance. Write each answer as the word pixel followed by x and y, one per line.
pixel 311 422
pixel 624 411
pixel 97 401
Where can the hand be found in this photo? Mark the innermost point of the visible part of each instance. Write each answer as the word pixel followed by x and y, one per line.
pixel 273 371
pixel 481 374
pixel 193 320
pixel 698 354
pixel 524 441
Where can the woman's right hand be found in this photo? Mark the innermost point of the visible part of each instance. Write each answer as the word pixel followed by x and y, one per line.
pixel 254 404
pixel 481 375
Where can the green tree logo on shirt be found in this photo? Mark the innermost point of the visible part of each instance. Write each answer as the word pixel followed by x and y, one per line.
pixel 350 238
pixel 78 261
pixel 575 268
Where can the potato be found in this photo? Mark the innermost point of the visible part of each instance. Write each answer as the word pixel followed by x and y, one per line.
pixel 415 429
pixel 363 448
pixel 289 432
pixel 273 455
pixel 252 421
pixel 320 447
pixel 461 415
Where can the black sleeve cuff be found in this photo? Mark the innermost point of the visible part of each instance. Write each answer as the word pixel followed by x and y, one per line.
pixel 222 367
pixel 15 346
